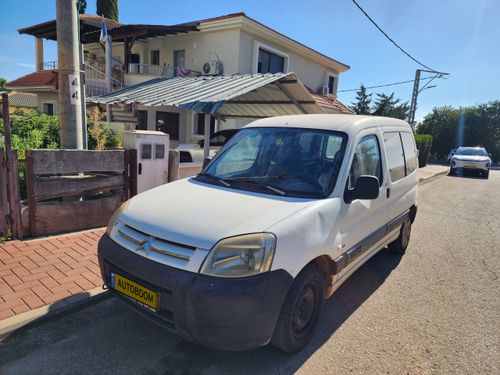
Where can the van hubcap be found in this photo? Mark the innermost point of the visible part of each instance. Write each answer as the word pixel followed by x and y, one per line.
pixel 304 309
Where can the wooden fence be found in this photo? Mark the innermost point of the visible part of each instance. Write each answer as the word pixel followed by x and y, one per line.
pixel 74 189
pixel 10 200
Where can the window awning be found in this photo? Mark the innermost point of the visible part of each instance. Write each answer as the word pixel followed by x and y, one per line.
pixel 248 96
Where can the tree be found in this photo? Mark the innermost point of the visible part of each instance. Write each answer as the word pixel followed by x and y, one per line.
pixel 108 9
pixel 3 81
pixel 82 6
pixel 387 105
pixel 363 100
pixel 464 126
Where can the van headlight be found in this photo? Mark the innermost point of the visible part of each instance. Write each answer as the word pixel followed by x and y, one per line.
pixel 115 216
pixel 240 256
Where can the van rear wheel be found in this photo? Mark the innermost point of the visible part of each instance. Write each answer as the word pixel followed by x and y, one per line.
pixel 399 246
pixel 300 312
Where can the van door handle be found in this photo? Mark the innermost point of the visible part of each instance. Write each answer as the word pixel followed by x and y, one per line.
pixel 140 168
pixel 388 192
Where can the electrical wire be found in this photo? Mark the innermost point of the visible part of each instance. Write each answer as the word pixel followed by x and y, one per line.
pixel 390 39
pixel 387 84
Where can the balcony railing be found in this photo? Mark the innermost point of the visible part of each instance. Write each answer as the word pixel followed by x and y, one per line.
pixel 161 70
pixel 95 76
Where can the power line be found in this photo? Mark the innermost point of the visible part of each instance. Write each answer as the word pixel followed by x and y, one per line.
pixel 390 39
pixel 386 84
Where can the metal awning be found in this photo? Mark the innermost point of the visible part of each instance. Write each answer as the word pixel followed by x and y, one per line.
pixel 248 96
pixel 90 29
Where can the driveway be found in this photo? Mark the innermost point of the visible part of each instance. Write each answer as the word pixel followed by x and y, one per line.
pixel 435 310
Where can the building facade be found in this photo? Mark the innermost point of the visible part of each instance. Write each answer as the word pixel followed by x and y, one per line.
pixel 226 45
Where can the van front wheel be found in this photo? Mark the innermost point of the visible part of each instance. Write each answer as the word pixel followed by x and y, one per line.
pixel 300 312
pixel 399 246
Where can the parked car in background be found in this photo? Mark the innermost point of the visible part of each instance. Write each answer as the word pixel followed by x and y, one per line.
pixel 471 159
pixel 245 253
pixel 193 153
pixel 452 152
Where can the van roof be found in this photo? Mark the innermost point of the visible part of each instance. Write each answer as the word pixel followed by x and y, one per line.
pixel 341 122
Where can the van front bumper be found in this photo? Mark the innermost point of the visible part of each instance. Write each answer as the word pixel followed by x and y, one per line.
pixel 228 314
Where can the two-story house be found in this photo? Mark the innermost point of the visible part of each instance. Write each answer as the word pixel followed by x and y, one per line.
pixel 233 44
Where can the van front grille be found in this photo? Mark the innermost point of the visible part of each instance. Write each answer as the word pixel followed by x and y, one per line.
pixel 139 240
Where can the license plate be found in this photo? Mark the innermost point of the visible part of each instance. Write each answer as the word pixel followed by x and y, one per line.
pixel 145 296
pixel 470 166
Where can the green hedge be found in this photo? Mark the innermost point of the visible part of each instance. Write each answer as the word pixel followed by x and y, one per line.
pixel 424 143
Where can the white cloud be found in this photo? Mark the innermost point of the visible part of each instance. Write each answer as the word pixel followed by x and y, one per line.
pixel 25 65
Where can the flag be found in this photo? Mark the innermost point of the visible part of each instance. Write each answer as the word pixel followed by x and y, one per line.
pixel 103 37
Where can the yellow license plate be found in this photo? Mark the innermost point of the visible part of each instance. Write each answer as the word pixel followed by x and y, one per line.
pixel 470 166
pixel 131 289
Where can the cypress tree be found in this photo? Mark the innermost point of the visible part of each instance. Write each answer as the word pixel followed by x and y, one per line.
pixel 108 9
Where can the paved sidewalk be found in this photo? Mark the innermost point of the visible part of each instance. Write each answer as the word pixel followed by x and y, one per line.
pixel 430 171
pixel 40 272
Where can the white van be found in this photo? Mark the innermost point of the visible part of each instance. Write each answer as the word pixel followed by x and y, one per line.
pixel 246 252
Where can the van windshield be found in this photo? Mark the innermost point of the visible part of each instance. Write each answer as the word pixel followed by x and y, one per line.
pixel 292 162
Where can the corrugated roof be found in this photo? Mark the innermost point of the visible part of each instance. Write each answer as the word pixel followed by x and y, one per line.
pixel 257 95
pixel 21 99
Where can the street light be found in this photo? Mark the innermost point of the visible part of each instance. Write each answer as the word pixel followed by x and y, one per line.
pixel 425 88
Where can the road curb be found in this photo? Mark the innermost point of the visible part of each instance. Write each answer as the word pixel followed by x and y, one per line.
pixel 9 325
pixel 422 181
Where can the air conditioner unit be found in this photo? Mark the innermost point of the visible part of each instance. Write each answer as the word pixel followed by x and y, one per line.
pixel 212 68
pixel 325 91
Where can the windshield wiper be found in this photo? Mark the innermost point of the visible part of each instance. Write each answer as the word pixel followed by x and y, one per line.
pixel 219 180
pixel 257 183
pixel 245 178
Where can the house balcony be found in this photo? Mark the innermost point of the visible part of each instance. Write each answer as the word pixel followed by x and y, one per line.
pixel 95 76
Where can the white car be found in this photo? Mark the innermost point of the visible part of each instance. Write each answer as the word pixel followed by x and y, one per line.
pixel 471 159
pixel 194 153
pixel 245 253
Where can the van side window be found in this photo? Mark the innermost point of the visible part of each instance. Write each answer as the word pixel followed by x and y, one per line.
pixel 366 160
pixel 410 153
pixel 395 155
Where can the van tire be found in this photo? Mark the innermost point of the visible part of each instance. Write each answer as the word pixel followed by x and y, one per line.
pixel 300 311
pixel 399 246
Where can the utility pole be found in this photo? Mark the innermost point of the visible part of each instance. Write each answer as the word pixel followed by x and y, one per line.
pixel 68 52
pixel 416 91
pixel 413 105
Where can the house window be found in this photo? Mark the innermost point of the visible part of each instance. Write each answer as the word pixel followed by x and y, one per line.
pixel 168 122
pixel 48 108
pixel 155 57
pixel 331 84
pixel 270 62
pixel 199 128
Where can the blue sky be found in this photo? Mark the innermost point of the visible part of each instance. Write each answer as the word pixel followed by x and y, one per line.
pixel 457 36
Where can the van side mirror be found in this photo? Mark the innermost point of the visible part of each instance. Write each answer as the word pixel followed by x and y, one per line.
pixel 206 161
pixel 367 187
pixel 490 155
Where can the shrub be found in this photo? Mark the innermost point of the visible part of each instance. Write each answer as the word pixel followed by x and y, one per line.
pixel 424 144
pixel 99 135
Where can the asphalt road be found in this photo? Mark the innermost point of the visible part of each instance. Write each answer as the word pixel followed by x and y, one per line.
pixel 435 310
